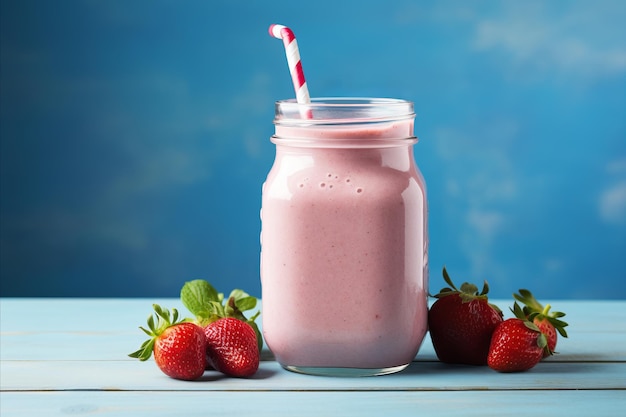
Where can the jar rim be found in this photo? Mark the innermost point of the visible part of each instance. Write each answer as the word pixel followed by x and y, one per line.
pixel 340 101
pixel 342 110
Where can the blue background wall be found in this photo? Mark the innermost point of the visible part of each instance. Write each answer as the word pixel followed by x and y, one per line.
pixel 135 136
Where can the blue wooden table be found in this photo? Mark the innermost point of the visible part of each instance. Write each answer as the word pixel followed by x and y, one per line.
pixel 69 357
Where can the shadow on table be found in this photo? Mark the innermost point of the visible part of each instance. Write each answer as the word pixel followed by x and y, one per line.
pixel 548 366
pixel 210 376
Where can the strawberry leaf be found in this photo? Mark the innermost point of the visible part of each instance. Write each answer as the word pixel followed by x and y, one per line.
pixel 542 341
pixel 468 291
pixel 448 280
pixel 559 325
pixel 145 351
pixel 259 338
pixel 528 299
pixel 151 326
pixel 469 288
pixel 148 332
pixel 532 326
pixel 485 289
pixel 157 328
pixel 519 313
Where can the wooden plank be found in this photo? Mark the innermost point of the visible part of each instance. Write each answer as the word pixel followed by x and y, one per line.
pixel 78 314
pixel 111 314
pixel 107 329
pixel 419 376
pixel 314 404
pixel 583 345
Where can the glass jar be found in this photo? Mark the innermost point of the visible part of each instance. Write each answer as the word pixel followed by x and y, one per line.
pixel 344 242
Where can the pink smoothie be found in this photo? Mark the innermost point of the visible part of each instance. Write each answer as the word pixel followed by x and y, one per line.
pixel 344 249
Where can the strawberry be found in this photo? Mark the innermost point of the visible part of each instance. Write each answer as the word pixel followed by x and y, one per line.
pixel 517 344
pixel 461 323
pixel 232 347
pixel 179 347
pixel 548 322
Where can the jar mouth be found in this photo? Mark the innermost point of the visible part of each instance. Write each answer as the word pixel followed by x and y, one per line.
pixel 342 111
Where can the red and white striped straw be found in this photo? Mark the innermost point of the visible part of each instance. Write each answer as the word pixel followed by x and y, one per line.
pixel 293 60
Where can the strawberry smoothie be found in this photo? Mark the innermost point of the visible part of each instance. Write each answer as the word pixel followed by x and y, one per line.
pixel 345 246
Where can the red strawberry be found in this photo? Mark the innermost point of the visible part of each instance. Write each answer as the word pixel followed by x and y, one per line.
pixel 461 323
pixel 516 345
pixel 232 347
pixel 548 322
pixel 179 347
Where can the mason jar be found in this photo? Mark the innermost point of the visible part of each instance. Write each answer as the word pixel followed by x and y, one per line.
pixel 344 240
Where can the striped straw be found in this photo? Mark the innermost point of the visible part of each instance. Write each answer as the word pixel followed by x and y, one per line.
pixel 293 60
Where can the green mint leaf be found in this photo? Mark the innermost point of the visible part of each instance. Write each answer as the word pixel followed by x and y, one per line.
pixel 246 303
pixel 197 295
pixel 215 308
pixel 213 311
pixel 237 294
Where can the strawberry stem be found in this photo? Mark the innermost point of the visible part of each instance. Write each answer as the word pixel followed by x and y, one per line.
pixel 546 310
